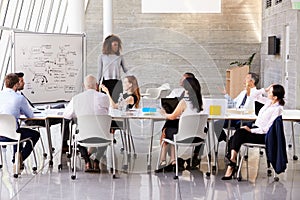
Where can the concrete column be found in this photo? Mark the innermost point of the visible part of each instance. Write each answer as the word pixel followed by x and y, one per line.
pixel 76 16
pixel 107 18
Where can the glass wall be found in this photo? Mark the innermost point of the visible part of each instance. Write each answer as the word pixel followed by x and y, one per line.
pixel 46 16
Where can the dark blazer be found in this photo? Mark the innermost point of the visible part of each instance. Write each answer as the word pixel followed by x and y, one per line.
pixel 276 146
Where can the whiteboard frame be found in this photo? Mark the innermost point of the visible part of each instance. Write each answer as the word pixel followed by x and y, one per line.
pixel 63 35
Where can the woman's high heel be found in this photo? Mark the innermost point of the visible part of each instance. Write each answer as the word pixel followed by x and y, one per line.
pixel 161 167
pixel 233 166
pixel 171 167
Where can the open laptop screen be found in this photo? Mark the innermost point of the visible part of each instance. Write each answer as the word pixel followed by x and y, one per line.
pixel 169 104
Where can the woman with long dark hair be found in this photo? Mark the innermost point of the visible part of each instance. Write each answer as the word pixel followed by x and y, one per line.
pixel 191 103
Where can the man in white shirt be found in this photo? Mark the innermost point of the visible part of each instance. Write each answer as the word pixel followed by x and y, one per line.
pixel 15 104
pixel 89 102
pixel 245 100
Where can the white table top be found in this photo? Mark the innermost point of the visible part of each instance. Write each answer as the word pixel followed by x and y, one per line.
pixel 288 115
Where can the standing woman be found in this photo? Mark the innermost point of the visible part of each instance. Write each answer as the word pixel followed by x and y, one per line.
pixel 256 133
pixel 110 64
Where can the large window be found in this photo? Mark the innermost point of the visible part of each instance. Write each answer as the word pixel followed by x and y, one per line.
pixel 28 15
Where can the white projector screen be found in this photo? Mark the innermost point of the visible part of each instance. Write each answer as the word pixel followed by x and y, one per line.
pixel 181 6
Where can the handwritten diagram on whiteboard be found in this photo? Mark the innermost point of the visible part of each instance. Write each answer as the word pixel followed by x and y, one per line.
pixel 52 64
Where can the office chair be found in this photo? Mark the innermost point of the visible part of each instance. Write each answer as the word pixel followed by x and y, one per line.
pixel 93 131
pixel 190 134
pixel 8 129
pixel 275 148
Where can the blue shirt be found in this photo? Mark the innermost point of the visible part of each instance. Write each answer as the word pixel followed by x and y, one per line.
pixel 14 104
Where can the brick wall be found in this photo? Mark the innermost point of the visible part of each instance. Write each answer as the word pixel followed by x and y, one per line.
pixel 159 48
pixel 273 67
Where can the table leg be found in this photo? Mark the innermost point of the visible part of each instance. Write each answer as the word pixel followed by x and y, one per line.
pixel 151 144
pixel 49 141
pixel 62 138
pixel 228 135
pixel 211 132
pixel 293 137
pixel 125 165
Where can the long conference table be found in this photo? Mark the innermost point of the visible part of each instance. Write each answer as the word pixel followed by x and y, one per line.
pixel 288 115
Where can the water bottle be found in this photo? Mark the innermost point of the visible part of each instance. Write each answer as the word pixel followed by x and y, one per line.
pixel 121 102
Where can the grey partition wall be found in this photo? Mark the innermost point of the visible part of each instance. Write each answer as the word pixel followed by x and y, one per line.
pixel 53 64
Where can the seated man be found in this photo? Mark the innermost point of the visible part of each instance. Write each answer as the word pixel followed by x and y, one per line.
pixel 89 102
pixel 15 104
pixel 52 121
pixel 244 100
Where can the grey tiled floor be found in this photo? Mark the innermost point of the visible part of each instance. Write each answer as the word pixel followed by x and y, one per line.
pixel 137 183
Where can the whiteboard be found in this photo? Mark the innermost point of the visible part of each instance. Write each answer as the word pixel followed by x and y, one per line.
pixel 53 65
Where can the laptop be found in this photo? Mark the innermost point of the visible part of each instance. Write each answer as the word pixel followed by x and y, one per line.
pixel 169 104
pixel 257 107
pixel 214 106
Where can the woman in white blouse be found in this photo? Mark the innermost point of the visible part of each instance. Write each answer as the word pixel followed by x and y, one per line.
pixel 256 134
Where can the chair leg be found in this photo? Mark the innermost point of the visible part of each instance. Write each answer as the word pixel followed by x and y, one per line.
pixel 240 161
pixel 158 160
pixel 34 156
pixel 208 163
pixel 131 141
pixel 1 158
pixel 122 139
pixel 72 132
pixel 247 163
pixel 43 147
pixel 74 156
pixel 113 159
pixel 176 161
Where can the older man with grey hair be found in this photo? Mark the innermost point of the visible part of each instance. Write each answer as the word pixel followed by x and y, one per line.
pixel 89 102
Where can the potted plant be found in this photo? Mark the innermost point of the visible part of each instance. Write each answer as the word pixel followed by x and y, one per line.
pixel 248 62
pixel 235 76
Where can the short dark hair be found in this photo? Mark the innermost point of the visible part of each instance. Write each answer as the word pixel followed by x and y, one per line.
pixel 189 75
pixel 254 77
pixel 20 74
pixel 11 80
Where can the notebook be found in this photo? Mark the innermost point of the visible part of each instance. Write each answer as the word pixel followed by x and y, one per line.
pixel 169 104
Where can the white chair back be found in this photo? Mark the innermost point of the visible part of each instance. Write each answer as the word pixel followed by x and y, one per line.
pixel 8 127
pixel 154 93
pixel 191 126
pixel 90 126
